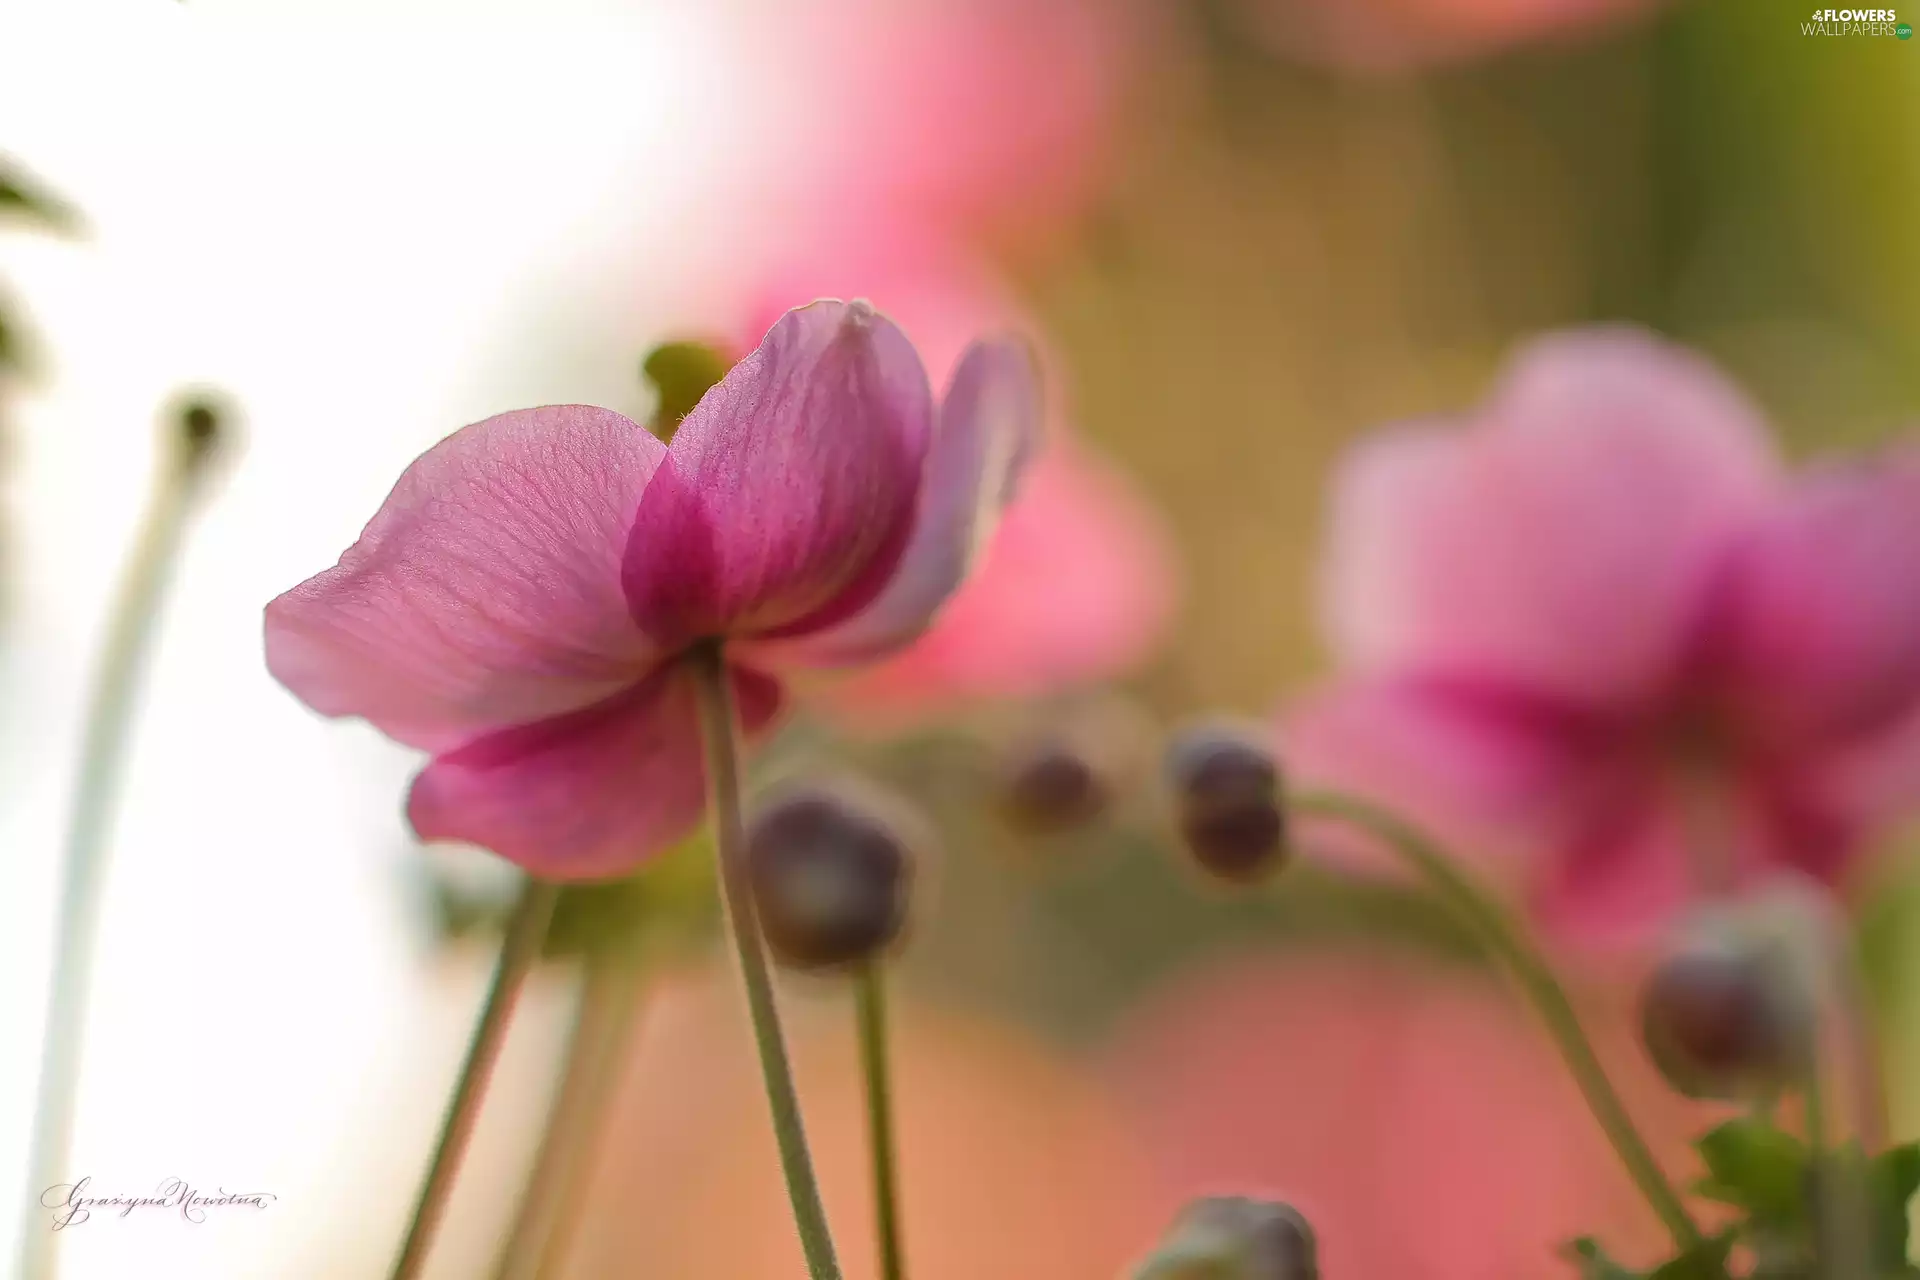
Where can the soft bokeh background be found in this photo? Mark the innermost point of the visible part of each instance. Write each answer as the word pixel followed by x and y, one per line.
pixel 1245 230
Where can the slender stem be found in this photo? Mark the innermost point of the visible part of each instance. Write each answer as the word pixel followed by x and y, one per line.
pixel 103 753
pixel 518 952
pixel 723 795
pixel 1509 944
pixel 543 1227
pixel 870 997
pixel 1863 1046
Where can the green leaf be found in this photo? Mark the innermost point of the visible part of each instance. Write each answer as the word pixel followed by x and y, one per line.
pixel 1705 1261
pixel 1756 1167
pixel 1892 1179
pixel 1594 1263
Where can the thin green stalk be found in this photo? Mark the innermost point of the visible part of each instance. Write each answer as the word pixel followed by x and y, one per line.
pixel 519 951
pixel 542 1231
pixel 870 997
pixel 718 726
pixel 103 754
pixel 1509 944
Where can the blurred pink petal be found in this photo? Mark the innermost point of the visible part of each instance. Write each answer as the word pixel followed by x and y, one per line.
pixel 1598 628
pixel 790 490
pixel 1080 539
pixel 487 589
pixel 1417 1117
pixel 1014 1162
pixel 996 114
pixel 1591 499
pixel 588 794
pixel 1819 619
pixel 989 426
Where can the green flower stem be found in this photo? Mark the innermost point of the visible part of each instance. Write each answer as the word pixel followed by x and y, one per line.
pixel 519 952
pixel 609 1005
pixel 870 995
pixel 103 753
pixel 1508 943
pixel 718 725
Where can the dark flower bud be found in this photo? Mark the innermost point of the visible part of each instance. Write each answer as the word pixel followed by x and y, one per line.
pixel 1724 1015
pixel 1227 801
pixel 830 875
pixel 1235 1238
pixel 1050 785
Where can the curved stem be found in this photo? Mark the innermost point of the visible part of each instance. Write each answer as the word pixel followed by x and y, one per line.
pixel 518 952
pixel 1508 944
pixel 723 794
pixel 543 1227
pixel 870 996
pixel 103 752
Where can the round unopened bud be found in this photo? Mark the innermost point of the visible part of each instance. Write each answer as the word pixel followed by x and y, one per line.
pixel 1050 785
pixel 830 875
pixel 1227 801
pixel 1235 1238
pixel 1723 1015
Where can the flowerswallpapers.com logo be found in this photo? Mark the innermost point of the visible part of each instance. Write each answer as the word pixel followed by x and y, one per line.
pixel 1856 22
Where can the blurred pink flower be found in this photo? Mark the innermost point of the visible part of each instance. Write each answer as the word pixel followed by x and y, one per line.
pixel 964 115
pixel 518 604
pixel 1418 1118
pixel 1393 35
pixel 1014 1163
pixel 1079 582
pixel 1598 626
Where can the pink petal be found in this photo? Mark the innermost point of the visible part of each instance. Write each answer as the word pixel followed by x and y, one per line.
pixel 989 426
pixel 789 491
pixel 590 794
pixel 1564 540
pixel 1080 537
pixel 1818 629
pixel 486 590
pixel 1494 775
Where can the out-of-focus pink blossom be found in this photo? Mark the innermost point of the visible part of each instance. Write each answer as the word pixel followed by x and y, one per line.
pixel 1079 582
pixel 1014 1162
pixel 1393 35
pixel 960 115
pixel 519 605
pixel 1419 1119
pixel 1599 627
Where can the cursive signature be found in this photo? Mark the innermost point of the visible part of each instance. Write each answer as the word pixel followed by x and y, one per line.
pixel 74 1202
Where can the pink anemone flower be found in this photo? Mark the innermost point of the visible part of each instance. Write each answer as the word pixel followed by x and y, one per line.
pixel 1600 628
pixel 1079 584
pixel 519 605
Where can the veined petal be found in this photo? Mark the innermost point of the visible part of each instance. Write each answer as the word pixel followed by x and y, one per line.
pixel 486 590
pixel 1564 542
pixel 989 427
pixel 1817 626
pixel 789 491
pixel 590 794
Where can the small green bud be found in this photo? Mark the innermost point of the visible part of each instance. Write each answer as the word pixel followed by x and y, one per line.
pixel 681 373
